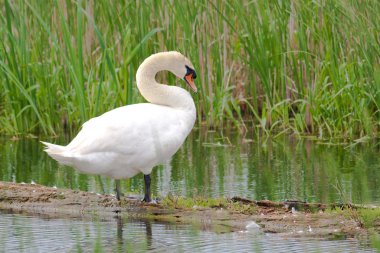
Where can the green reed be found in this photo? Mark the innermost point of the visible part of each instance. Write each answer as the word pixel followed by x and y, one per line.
pixel 307 67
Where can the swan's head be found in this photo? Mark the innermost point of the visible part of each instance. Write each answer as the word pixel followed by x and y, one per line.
pixel 189 77
pixel 184 69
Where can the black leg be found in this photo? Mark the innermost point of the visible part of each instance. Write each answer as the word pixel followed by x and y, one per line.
pixel 147 188
pixel 118 193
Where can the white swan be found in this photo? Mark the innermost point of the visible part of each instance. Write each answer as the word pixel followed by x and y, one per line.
pixel 134 138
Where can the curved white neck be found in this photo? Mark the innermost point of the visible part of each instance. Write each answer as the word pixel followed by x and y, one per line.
pixel 157 93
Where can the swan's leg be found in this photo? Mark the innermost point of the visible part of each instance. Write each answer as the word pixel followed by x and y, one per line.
pixel 99 179
pixel 118 192
pixel 147 188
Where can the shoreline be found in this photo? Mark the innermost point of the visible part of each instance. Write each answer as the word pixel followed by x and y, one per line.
pixel 288 219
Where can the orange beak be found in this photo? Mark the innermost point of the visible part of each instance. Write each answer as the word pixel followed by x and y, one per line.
pixel 190 81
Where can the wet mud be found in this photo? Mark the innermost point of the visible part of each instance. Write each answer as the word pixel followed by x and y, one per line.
pixel 290 219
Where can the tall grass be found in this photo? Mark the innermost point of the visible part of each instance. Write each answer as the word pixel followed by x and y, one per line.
pixel 308 67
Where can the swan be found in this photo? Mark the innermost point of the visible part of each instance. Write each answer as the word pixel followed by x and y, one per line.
pixel 132 139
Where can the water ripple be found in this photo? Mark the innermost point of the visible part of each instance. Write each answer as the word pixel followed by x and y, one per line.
pixel 35 234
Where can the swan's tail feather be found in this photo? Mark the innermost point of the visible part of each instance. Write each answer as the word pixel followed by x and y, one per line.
pixel 59 153
pixel 51 148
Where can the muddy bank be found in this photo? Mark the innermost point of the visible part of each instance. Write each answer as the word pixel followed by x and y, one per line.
pixel 293 219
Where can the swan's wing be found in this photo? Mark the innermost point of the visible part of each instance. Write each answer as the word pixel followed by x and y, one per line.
pixel 129 131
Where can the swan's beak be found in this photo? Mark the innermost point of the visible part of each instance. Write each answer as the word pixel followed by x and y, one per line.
pixel 190 81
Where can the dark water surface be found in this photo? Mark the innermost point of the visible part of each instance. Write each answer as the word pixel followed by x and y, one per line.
pixel 210 164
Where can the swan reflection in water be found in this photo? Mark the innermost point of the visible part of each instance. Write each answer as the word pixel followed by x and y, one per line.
pixel 122 240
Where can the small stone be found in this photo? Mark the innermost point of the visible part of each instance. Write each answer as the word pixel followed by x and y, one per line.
pixel 252 226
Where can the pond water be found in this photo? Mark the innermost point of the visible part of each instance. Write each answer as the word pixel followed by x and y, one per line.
pixel 209 164
pixel 214 164
pixel 20 233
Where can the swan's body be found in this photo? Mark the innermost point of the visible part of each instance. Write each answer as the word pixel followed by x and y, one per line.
pixel 126 141
pixel 134 138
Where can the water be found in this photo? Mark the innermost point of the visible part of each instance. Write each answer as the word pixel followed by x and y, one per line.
pixel 35 234
pixel 210 164
pixel 213 165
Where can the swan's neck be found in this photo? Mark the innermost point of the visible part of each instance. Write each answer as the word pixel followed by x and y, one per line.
pixel 157 93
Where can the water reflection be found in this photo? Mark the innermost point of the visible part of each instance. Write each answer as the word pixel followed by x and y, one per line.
pixel 35 234
pixel 224 164
pixel 121 242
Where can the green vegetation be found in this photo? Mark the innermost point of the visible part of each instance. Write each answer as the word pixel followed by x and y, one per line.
pixel 370 217
pixel 278 66
pixel 179 202
pixel 367 217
